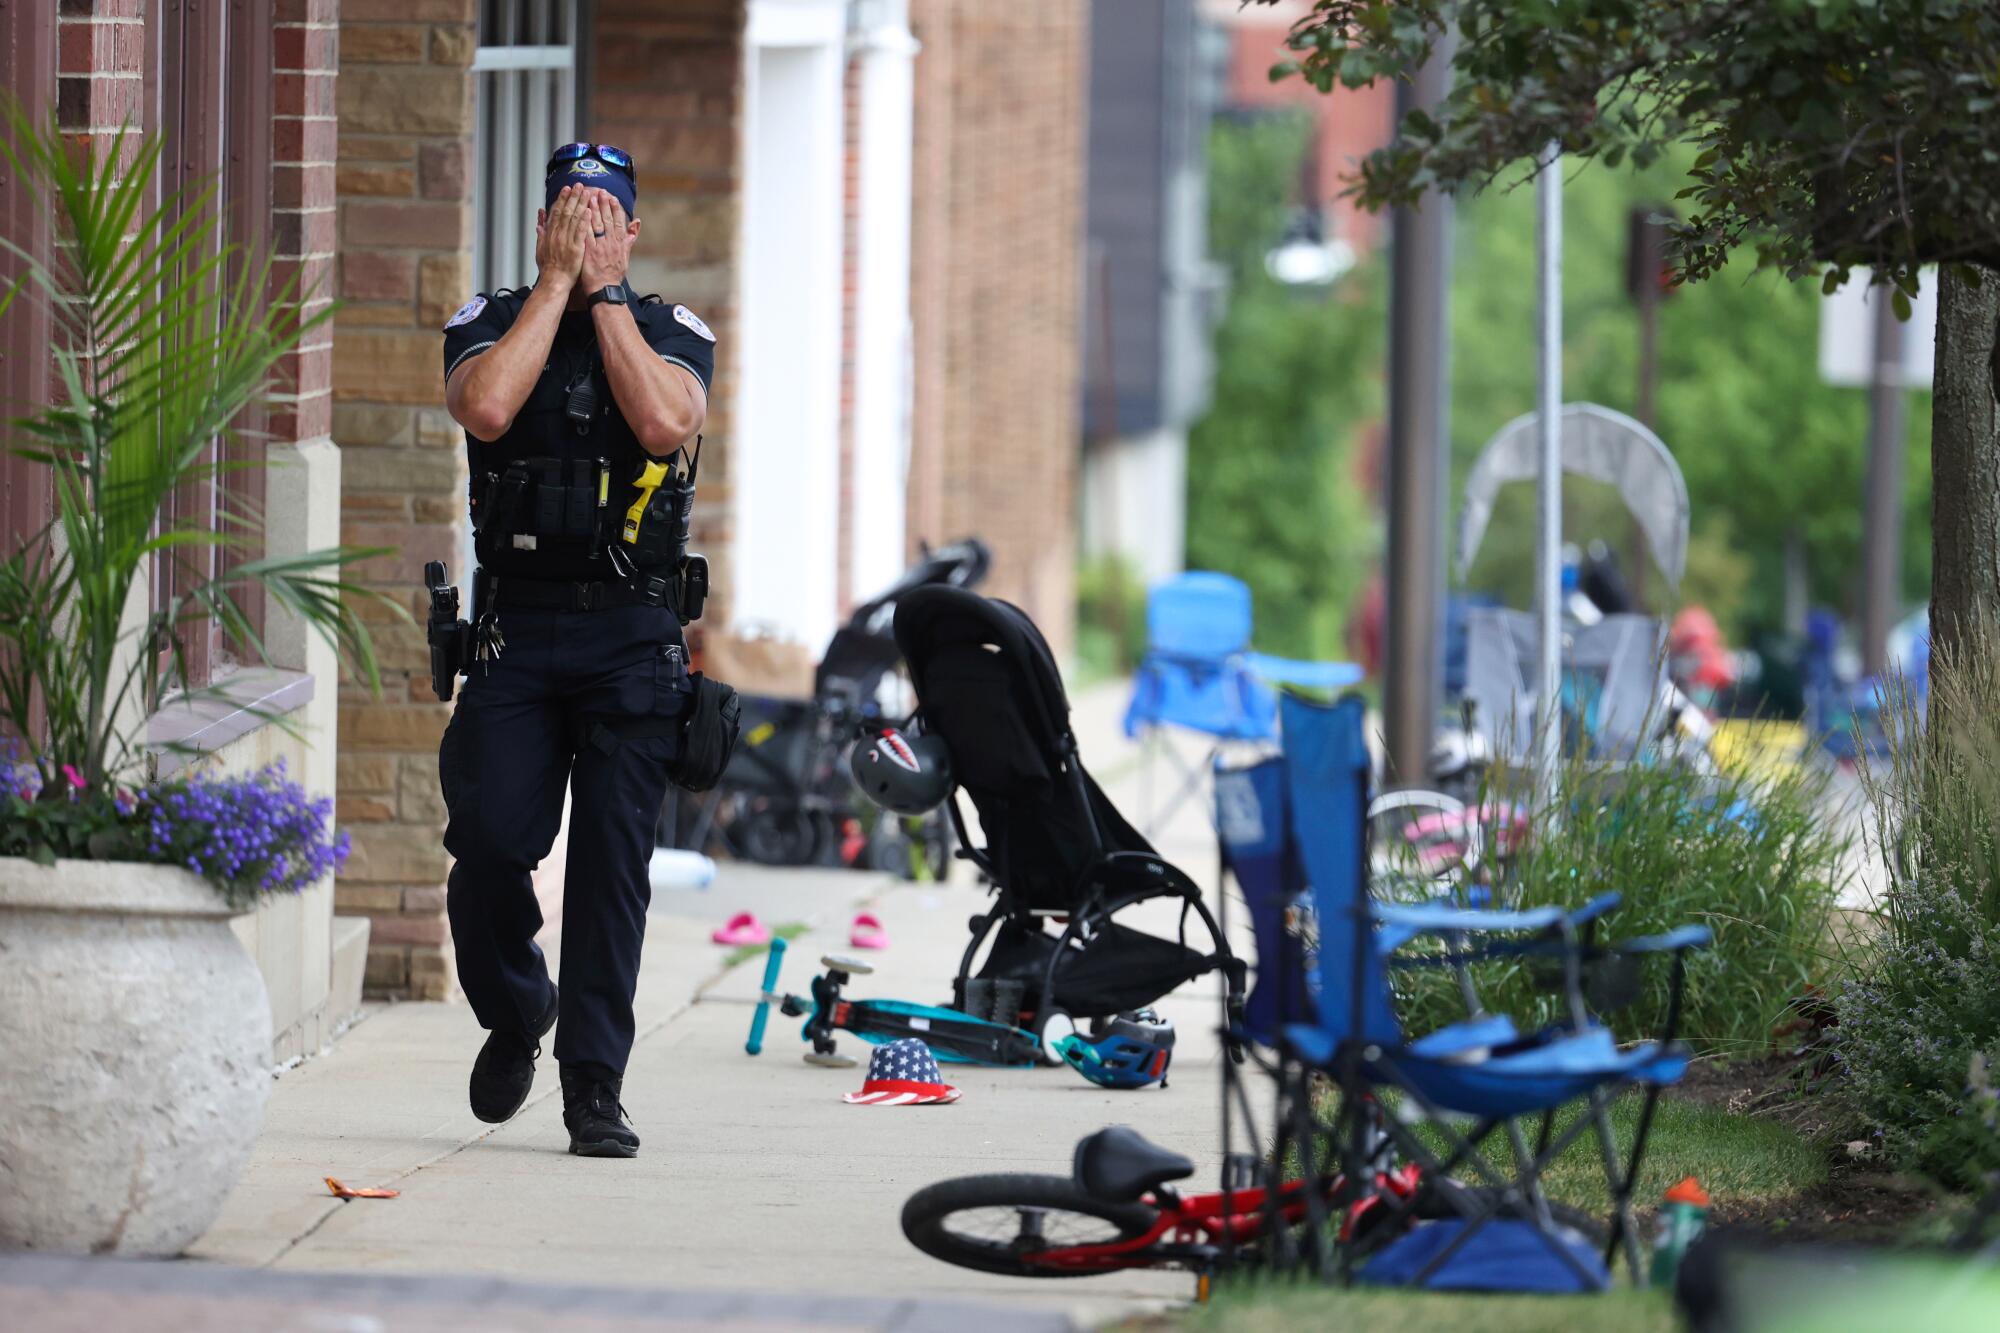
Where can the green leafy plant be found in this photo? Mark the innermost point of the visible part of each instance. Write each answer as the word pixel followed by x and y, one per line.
pixel 74 821
pixel 1841 131
pixel 1110 617
pixel 1925 997
pixel 1753 857
pixel 162 338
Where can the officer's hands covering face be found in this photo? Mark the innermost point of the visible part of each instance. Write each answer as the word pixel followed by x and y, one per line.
pixel 607 249
pixel 561 232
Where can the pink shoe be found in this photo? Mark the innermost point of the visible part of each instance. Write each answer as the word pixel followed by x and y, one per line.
pixel 743 928
pixel 868 933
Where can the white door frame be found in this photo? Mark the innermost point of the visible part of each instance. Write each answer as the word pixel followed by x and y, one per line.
pixel 882 335
pixel 787 464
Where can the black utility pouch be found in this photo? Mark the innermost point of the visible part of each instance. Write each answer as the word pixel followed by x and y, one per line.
pixel 714 717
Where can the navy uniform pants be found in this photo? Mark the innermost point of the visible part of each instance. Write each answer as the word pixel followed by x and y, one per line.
pixel 548 715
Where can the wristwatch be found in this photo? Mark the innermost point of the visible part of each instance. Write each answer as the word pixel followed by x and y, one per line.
pixel 614 295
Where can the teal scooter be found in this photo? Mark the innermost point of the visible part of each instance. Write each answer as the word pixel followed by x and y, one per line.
pixel 954 1037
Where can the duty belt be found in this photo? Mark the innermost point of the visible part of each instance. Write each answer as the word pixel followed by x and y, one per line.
pixel 548 595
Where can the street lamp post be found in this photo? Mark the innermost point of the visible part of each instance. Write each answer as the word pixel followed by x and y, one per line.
pixel 1548 479
pixel 1419 284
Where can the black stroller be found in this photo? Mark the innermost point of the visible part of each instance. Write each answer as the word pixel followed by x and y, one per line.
pixel 786 797
pixel 1056 848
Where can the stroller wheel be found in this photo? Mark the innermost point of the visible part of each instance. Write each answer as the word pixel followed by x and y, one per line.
pixel 780 837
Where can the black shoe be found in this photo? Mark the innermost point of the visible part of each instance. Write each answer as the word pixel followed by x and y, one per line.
pixel 504 1073
pixel 596 1122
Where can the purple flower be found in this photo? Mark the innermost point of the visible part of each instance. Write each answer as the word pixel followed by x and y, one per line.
pixel 258 833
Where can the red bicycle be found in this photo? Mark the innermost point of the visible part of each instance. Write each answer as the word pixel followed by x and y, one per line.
pixel 1117 1211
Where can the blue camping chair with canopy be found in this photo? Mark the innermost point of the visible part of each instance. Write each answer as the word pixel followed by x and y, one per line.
pixel 1200 674
pixel 1299 820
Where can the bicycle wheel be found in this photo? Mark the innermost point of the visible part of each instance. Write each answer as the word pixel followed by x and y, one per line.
pixel 778 837
pixel 998 1224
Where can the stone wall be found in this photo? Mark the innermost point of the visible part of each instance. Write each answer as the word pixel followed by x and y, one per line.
pixel 666 84
pixel 405 126
pixel 997 257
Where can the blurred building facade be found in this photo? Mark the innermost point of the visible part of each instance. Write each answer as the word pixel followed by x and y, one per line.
pixel 1348 123
pixel 876 204
pixel 1153 297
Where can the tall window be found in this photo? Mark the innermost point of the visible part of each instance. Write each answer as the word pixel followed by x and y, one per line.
pixel 210 84
pixel 27 69
pixel 526 85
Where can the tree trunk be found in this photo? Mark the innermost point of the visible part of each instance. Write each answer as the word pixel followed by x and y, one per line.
pixel 1965 466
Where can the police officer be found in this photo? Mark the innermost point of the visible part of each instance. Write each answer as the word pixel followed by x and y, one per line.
pixel 567 391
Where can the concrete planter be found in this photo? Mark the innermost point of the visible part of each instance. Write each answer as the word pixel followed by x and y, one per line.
pixel 135 1035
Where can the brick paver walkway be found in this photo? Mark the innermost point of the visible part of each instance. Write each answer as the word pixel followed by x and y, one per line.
pixel 51 1295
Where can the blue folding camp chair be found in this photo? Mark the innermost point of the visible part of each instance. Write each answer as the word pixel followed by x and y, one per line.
pixel 1300 820
pixel 1199 674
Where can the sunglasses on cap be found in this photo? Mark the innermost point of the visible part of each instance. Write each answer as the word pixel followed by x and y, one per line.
pixel 603 152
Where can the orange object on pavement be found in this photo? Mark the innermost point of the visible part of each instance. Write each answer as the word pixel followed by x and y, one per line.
pixel 341 1191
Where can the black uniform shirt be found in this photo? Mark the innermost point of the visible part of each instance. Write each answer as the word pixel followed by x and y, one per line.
pixel 542 430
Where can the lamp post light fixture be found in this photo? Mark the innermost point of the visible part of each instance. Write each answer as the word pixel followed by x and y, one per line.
pixel 1304 258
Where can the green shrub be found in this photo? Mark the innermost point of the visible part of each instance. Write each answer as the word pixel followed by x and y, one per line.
pixel 1110 617
pixel 1754 858
pixel 1926 995
pixel 1273 495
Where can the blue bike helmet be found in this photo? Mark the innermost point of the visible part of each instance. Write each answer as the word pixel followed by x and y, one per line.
pixel 1131 1051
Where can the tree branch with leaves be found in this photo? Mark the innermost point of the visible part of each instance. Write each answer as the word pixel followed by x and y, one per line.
pixel 1829 134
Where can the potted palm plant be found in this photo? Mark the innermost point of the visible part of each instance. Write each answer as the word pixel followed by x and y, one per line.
pixel 134 1028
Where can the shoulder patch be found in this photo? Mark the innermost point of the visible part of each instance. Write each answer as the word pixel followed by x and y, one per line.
pixel 467 312
pixel 693 321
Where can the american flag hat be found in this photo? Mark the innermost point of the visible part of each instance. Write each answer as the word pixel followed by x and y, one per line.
pixel 903 1073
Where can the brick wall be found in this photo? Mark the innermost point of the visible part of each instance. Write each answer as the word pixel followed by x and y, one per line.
pixel 304 40
pixel 995 292
pixel 101 67
pixel 405 125
pixel 666 84
pixel 105 49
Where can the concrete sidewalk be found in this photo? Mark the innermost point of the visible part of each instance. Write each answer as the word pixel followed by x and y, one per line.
pixel 754 1177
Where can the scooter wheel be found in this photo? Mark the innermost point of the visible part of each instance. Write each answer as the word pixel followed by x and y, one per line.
pixel 1051 1028
pixel 833 1060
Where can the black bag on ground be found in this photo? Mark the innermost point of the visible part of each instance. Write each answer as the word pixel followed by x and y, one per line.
pixel 714 718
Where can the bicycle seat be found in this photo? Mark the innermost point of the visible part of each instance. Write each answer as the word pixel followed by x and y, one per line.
pixel 1119 1165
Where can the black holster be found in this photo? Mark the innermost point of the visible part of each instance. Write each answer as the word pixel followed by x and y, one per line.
pixel 448 632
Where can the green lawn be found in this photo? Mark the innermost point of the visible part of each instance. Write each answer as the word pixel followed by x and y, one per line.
pixel 1736 1158
pixel 1281 1307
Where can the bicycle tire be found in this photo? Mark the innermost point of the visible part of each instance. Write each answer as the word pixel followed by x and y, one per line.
pixel 928 1213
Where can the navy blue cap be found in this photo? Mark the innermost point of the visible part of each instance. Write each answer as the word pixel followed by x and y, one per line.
pixel 595 174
